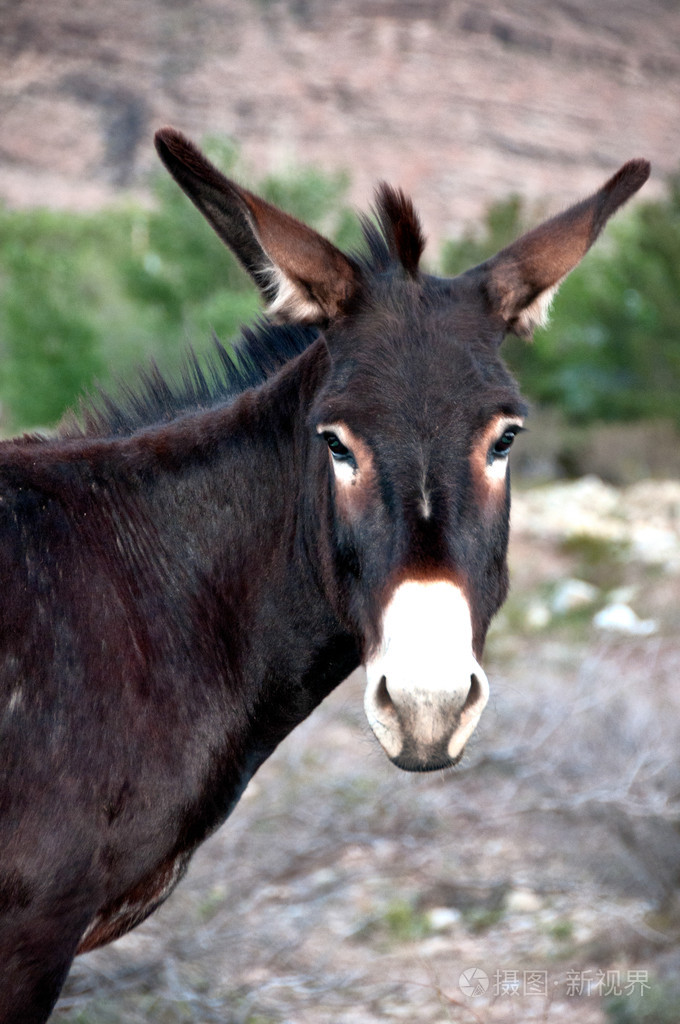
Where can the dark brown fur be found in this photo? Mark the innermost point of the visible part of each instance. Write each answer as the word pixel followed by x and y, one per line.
pixel 179 588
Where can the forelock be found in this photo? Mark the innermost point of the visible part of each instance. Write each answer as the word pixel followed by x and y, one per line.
pixel 397 237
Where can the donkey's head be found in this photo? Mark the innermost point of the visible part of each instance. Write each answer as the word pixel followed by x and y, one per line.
pixel 410 432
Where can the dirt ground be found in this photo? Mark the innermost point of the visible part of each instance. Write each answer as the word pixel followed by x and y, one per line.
pixel 536 882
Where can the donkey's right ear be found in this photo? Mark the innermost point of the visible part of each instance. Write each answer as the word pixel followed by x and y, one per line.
pixel 521 280
pixel 303 277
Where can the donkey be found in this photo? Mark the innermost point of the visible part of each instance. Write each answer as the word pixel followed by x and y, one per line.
pixel 190 569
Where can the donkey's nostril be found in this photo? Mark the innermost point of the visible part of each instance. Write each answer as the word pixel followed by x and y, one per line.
pixel 475 693
pixel 475 702
pixel 382 695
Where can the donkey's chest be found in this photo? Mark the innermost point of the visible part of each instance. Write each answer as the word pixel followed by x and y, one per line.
pixel 129 910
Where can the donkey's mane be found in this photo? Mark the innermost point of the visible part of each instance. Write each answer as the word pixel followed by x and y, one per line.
pixel 201 383
pixel 394 237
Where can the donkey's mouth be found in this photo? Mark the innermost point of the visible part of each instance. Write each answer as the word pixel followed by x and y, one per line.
pixel 425 690
pixel 412 760
pixel 425 733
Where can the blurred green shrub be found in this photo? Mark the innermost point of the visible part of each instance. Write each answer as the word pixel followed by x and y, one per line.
pixel 657 1003
pixel 48 332
pixel 87 296
pixel 612 349
pixel 84 297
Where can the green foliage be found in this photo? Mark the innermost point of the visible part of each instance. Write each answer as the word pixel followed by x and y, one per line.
pixel 658 1003
pixel 612 349
pixel 599 560
pixel 47 332
pixel 85 297
pixel 482 918
pixel 562 930
pixel 503 223
pixel 404 922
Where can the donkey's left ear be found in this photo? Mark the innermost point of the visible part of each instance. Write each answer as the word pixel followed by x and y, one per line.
pixel 522 279
pixel 301 275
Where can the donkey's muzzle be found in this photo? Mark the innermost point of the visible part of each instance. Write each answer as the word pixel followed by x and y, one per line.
pixel 425 691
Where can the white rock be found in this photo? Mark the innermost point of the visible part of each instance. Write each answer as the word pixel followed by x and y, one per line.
pixel 441 919
pixel 572 594
pixel 620 618
pixel 523 901
pixel 537 615
pixel 623 595
pixel 586 506
pixel 645 517
pixel 653 543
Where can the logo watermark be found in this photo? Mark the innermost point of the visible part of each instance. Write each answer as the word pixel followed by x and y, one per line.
pixel 475 982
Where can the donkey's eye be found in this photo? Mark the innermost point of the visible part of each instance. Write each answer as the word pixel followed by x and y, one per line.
pixel 502 446
pixel 338 450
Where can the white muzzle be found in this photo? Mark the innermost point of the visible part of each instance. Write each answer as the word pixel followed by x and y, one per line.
pixel 425 691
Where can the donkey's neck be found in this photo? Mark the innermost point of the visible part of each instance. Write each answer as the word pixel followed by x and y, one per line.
pixel 202 516
pixel 270 629
pixel 246 515
pixel 279 514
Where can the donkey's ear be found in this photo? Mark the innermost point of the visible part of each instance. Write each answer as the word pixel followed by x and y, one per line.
pixel 522 279
pixel 302 276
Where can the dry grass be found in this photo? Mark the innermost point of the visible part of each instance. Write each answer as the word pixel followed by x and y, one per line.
pixel 554 848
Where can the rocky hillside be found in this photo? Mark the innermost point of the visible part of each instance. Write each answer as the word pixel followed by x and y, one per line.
pixel 457 101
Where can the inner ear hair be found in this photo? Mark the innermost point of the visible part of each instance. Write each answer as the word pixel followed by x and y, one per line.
pixel 522 279
pixel 302 276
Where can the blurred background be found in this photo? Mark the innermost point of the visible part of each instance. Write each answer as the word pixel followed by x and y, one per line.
pixel 492 116
pixel 342 891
